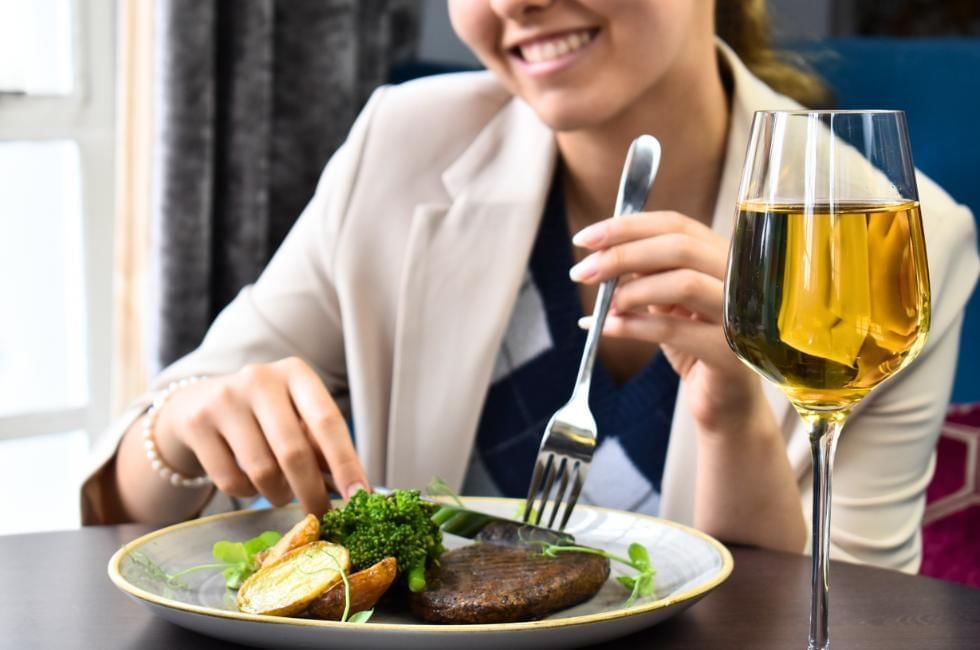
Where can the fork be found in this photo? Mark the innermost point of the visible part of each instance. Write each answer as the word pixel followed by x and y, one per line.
pixel 569 440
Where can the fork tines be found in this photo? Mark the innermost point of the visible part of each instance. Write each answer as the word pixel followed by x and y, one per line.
pixel 548 468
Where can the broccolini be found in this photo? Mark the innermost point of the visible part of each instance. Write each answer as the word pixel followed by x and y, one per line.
pixel 375 526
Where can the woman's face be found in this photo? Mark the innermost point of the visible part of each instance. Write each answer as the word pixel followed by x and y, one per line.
pixel 580 63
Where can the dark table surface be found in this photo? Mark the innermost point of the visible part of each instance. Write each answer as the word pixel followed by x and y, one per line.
pixel 55 593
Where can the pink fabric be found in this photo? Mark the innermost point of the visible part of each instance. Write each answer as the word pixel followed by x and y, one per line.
pixel 951 524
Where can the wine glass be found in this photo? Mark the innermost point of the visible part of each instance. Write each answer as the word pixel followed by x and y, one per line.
pixel 827 289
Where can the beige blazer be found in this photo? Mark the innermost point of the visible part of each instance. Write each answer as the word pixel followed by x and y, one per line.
pixel 399 279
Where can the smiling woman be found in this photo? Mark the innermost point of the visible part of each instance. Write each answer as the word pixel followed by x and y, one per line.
pixel 431 292
pixel 623 49
pixel 560 48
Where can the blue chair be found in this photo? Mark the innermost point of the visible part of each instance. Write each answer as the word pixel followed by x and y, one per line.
pixel 937 83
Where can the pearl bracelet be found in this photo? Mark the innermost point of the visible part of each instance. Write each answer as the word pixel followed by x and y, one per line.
pixel 167 472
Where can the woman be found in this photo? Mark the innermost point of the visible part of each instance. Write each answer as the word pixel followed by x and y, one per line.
pixel 425 292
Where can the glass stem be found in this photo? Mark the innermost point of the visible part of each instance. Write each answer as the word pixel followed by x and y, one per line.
pixel 824 430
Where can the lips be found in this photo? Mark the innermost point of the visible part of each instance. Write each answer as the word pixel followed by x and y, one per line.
pixel 553 47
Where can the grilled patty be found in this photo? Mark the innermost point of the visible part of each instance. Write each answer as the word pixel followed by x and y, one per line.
pixel 493 583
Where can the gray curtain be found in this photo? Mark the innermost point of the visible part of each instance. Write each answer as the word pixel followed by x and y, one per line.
pixel 253 97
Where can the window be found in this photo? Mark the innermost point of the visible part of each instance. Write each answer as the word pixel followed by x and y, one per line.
pixel 42 344
pixel 56 227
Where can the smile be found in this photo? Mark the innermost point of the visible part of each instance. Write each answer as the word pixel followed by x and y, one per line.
pixel 554 47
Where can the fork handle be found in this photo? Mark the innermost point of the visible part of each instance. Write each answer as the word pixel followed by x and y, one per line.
pixel 602 302
pixel 639 171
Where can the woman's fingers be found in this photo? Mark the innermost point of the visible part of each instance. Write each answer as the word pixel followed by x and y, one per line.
pixel 701 340
pixel 649 242
pixel 641 225
pixel 327 427
pixel 275 414
pixel 652 255
pixel 216 457
pixel 697 292
pixel 272 427
pixel 239 426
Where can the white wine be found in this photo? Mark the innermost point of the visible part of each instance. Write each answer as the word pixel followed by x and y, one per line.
pixel 828 301
pixel 827 292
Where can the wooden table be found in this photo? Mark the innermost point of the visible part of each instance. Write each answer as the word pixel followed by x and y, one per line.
pixel 54 593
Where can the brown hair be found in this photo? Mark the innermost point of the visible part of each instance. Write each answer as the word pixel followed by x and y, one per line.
pixel 744 25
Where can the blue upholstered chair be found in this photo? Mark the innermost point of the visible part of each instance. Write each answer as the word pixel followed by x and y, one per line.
pixel 937 83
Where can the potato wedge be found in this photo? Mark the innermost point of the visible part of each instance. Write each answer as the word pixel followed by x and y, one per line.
pixel 366 588
pixel 304 532
pixel 287 586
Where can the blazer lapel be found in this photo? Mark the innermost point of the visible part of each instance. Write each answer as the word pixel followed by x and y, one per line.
pixel 465 263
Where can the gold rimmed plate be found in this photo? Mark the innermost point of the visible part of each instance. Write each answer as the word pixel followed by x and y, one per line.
pixel 689 564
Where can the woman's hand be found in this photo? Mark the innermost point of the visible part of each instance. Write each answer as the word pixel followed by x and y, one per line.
pixel 270 428
pixel 671 293
pixel 671 271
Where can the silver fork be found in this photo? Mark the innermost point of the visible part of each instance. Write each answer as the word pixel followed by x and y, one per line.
pixel 570 437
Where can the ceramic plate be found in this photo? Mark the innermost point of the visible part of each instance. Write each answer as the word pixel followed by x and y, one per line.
pixel 689 564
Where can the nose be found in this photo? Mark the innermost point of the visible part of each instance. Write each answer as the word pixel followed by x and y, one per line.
pixel 515 9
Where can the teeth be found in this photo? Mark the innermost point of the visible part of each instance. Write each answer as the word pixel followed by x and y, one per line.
pixel 553 48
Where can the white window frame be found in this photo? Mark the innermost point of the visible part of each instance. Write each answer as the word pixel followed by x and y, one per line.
pixel 87 117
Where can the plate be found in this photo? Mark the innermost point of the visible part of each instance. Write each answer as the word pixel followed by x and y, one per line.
pixel 689 564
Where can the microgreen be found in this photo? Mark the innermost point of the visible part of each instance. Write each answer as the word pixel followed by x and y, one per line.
pixel 640 584
pixel 155 571
pixel 361 617
pixel 358 617
pixel 239 557
pixel 235 559
pixel 437 487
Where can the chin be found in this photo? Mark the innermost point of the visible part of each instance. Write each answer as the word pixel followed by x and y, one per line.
pixel 565 116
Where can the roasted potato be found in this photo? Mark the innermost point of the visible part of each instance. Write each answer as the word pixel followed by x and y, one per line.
pixel 366 587
pixel 304 532
pixel 288 586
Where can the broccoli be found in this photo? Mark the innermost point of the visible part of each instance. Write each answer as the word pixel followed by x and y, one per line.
pixel 374 526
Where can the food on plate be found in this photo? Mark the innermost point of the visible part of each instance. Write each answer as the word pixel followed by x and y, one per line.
pixel 238 560
pixel 304 532
pixel 366 589
pixel 376 526
pixel 538 572
pixel 504 580
pixel 288 585
pixel 339 569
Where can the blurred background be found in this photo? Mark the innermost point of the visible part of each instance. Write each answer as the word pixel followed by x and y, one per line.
pixel 154 153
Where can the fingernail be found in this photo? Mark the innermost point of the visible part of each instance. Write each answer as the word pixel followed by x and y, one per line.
pixel 585 322
pixel 353 489
pixel 584 270
pixel 589 236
